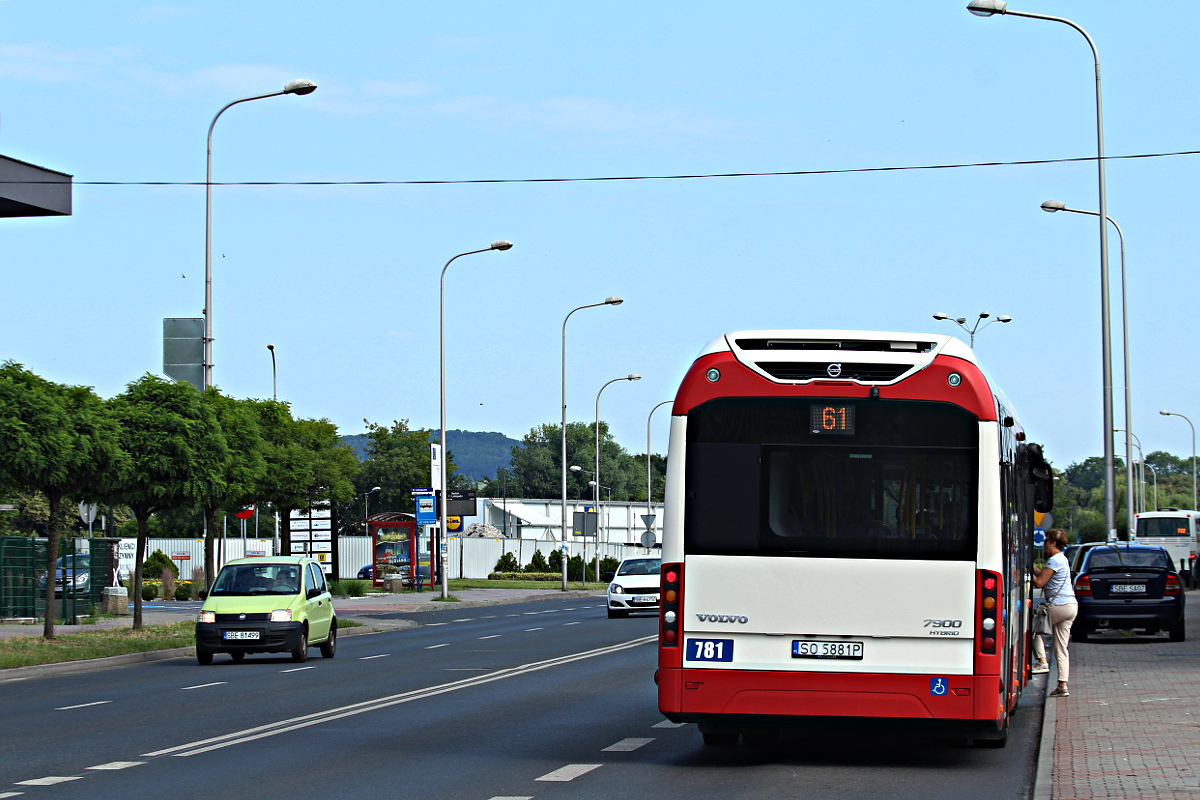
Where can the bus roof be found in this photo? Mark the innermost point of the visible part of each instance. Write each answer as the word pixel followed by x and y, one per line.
pixel 845 340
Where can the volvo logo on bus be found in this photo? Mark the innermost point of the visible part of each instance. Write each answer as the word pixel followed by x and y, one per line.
pixel 722 618
pixel 834 370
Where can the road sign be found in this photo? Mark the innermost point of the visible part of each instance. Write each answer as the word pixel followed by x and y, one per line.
pixel 426 509
pixel 648 539
pixel 422 491
pixel 245 513
pixel 1039 537
pixel 87 512
pixel 648 519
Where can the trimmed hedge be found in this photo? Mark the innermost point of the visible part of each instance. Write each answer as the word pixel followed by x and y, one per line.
pixel 525 576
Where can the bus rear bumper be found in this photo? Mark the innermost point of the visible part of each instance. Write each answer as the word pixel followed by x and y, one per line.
pixel 799 699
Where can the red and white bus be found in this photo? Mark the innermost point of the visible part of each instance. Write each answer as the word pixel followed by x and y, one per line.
pixel 848 538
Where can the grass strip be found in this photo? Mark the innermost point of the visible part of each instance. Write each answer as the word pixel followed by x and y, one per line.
pixel 484 583
pixel 25 651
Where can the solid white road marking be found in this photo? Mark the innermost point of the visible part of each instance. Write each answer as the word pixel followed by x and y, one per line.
pixel 568 773
pixel 493 636
pixel 118 765
pixel 49 781
pixel 379 703
pixel 202 685
pixel 295 669
pixel 368 658
pixel 666 723
pixel 626 745
pixel 436 646
pixel 83 705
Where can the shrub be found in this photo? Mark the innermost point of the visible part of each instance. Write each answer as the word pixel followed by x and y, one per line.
pixel 183 591
pixel 157 562
pixel 575 568
pixel 198 582
pixel 538 562
pixel 554 563
pixel 168 583
pixel 149 591
pixel 507 563
pixel 525 576
pixel 609 564
pixel 355 588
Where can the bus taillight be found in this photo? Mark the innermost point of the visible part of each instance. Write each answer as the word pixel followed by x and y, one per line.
pixel 672 590
pixel 989 602
pixel 1083 586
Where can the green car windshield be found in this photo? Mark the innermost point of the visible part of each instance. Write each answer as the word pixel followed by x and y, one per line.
pixel 245 580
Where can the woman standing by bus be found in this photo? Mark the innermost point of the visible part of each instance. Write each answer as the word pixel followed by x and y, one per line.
pixel 1055 582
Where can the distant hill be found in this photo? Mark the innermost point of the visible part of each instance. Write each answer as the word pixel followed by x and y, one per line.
pixel 477 454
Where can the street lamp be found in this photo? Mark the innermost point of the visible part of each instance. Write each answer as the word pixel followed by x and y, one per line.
pixel 297 87
pixel 596 476
pixel 1153 472
pixel 649 477
pixel 986 8
pixel 274 382
pixel 367 506
pixel 608 301
pixel 435 556
pixel 962 322
pixel 1051 206
pixel 1193 427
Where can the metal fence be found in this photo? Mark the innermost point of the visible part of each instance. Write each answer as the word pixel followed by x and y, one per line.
pixel 85 567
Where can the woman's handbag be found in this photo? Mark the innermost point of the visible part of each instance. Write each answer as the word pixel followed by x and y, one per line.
pixel 1042 625
pixel 1041 619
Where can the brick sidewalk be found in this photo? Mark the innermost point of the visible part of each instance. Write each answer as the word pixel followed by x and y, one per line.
pixel 1131 727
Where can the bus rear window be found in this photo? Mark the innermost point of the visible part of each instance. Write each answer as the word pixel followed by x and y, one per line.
pixel 902 486
pixel 1162 526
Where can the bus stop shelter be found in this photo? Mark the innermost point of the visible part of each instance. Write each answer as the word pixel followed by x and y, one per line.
pixel 27 190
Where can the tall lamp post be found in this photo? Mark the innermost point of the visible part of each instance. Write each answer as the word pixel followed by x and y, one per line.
pixel 435 556
pixel 987 8
pixel 297 87
pixel 274 382
pixel 1154 473
pixel 1051 206
pixel 596 475
pixel 1131 476
pixel 608 301
pixel 367 506
pixel 962 322
pixel 1193 427
pixel 649 474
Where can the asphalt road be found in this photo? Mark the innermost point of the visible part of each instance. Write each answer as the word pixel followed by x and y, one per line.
pixel 538 700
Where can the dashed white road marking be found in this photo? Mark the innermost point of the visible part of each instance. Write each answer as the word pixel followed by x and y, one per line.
pixel 568 773
pixel 493 636
pixel 83 705
pixel 497 797
pixel 202 685
pixel 666 723
pixel 527 630
pixel 49 780
pixel 368 658
pixel 435 624
pixel 462 620
pixel 436 646
pixel 565 624
pixel 295 669
pixel 626 745
pixel 118 765
pixel 18 794
pixel 490 616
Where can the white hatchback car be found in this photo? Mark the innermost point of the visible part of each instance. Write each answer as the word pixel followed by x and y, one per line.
pixel 634 587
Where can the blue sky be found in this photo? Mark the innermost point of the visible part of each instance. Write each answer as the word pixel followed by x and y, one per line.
pixel 343 280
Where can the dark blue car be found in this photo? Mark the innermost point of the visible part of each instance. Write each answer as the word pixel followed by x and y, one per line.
pixel 1128 586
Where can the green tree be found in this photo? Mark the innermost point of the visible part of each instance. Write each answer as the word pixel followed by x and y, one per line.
pixel 57 440
pixel 176 451
pixel 242 470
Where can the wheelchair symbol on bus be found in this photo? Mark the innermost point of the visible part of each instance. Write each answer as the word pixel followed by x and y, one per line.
pixel 938 686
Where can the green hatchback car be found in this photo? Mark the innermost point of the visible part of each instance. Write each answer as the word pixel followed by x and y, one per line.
pixel 267 605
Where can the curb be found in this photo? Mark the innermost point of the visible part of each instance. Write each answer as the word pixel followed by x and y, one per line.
pixel 1043 778
pixel 366 615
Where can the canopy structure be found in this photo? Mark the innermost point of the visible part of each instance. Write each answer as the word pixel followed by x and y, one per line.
pixel 31 191
pixel 526 516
